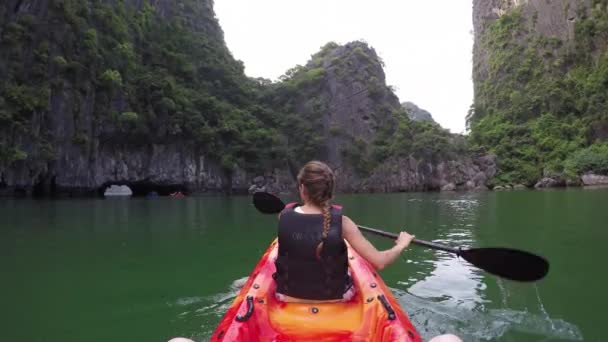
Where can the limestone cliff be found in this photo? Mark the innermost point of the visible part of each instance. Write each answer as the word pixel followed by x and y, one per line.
pixel 540 77
pixel 146 93
pixel 364 132
pixel 416 113
pixel 134 91
pixel 555 19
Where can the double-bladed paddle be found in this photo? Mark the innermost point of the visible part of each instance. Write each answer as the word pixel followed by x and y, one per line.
pixel 504 262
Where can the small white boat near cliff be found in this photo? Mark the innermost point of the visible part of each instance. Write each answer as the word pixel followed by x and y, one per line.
pixel 118 191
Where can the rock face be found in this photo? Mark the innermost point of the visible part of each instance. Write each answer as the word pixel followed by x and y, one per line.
pixel 553 19
pixel 356 96
pixel 356 103
pixel 409 174
pixel 592 179
pixel 358 109
pixel 416 113
pixel 158 165
pixel 550 182
pixel 72 144
pixel 525 51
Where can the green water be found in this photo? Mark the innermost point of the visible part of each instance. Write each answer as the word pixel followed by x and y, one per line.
pixel 151 269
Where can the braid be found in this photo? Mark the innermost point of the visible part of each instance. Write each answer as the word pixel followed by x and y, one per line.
pixel 326 225
pixel 326 220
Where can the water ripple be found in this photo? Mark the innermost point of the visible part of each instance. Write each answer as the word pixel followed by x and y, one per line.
pixel 207 309
pixel 434 316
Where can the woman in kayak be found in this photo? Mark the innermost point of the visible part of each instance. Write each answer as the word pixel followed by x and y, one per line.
pixel 313 261
pixel 442 338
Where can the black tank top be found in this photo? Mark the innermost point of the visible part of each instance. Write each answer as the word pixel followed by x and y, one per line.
pixel 299 272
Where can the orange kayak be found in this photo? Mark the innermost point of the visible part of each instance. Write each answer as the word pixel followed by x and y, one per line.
pixel 373 314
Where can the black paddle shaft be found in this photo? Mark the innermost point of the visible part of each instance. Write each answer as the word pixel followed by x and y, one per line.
pixel 415 241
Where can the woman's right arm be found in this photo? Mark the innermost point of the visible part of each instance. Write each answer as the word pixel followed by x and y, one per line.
pixel 379 259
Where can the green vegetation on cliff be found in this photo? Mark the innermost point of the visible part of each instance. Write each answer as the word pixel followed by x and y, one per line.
pixel 307 105
pixel 87 75
pixel 543 101
pixel 148 79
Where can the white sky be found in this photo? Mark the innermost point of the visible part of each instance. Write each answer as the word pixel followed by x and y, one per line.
pixel 426 45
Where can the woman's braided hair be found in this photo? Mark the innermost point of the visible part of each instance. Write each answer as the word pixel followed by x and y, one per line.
pixel 319 182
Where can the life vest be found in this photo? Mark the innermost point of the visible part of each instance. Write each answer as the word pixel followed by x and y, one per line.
pixel 300 273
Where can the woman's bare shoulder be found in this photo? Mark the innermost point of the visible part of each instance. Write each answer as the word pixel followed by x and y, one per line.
pixel 348 225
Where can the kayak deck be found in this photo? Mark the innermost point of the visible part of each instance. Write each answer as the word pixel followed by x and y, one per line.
pixel 373 314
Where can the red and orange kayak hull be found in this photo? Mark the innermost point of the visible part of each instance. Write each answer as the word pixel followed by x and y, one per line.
pixel 372 315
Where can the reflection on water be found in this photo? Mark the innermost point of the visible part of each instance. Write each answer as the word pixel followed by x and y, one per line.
pixel 451 300
pixel 453 279
pixel 434 317
pixel 457 284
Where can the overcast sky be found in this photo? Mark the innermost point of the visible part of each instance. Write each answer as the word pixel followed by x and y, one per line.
pixel 426 45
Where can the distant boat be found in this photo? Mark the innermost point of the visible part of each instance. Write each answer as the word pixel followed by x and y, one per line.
pixel 178 194
pixel 152 194
pixel 118 191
